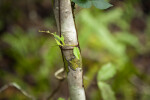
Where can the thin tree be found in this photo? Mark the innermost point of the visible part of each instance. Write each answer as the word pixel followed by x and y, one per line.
pixel 73 65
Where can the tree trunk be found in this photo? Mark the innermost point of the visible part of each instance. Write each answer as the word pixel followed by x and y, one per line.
pixel 73 66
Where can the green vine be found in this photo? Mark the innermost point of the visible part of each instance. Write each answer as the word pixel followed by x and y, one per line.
pixel 60 42
pixel 73 63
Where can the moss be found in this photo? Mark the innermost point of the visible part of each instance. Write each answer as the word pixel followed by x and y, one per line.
pixel 66 64
pixel 75 63
pixel 72 63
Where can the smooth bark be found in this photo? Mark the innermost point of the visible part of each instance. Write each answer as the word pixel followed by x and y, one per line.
pixel 66 27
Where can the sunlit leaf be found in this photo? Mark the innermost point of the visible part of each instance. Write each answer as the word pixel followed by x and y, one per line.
pixel 61 98
pixel 58 42
pixel 106 72
pixel 76 52
pixel 106 91
pixel 57 37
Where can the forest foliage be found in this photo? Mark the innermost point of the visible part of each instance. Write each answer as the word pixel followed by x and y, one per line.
pixel 115 48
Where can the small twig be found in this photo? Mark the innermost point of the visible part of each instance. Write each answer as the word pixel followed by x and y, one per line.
pixel 55 90
pixel 58 72
pixel 60 78
pixel 15 85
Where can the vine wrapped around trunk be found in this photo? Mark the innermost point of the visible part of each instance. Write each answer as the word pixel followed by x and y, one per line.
pixel 73 66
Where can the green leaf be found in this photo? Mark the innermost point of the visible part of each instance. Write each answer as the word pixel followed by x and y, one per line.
pixel 100 4
pixel 61 98
pixel 126 38
pixel 106 91
pixel 58 42
pixel 62 40
pixel 83 3
pixel 76 52
pixel 58 39
pixel 106 72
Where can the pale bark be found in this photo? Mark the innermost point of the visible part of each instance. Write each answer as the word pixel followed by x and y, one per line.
pixel 66 27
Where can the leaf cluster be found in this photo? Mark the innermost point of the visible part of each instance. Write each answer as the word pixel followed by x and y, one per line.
pixel 105 73
pixel 60 41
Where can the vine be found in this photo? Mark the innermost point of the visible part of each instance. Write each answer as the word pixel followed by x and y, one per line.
pixel 60 42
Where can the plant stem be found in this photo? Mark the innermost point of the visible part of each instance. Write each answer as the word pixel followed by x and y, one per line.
pixel 66 27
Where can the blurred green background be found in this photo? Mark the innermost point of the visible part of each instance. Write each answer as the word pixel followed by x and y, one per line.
pixel 115 47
